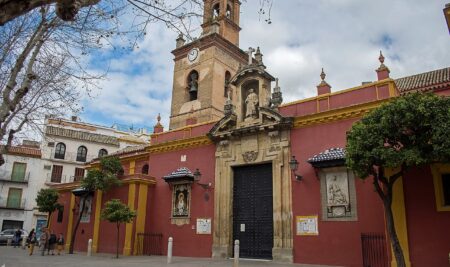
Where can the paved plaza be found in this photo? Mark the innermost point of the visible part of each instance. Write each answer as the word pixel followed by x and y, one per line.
pixel 17 257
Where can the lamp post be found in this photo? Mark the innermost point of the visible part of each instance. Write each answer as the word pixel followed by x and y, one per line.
pixel 197 176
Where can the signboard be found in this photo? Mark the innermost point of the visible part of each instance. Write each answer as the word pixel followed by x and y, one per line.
pixel 203 226
pixel 307 225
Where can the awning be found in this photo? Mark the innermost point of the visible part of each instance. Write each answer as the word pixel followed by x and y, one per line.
pixel 329 158
pixel 181 175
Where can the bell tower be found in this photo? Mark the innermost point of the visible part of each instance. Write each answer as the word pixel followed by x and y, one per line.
pixel 204 66
pixel 225 13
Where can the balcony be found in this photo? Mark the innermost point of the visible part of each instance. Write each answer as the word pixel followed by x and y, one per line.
pixel 72 156
pixel 12 204
pixel 6 176
pixel 57 180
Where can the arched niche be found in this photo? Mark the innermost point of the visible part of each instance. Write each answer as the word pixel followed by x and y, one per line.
pixel 249 88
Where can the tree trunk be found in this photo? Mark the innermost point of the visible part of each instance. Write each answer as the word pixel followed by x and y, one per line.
pixel 117 242
pixel 398 252
pixel 49 217
pixel 74 233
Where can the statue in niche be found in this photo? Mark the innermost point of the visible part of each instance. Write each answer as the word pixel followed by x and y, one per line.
pixel 251 103
pixel 336 194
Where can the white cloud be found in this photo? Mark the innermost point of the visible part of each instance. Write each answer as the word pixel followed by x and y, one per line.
pixel 342 36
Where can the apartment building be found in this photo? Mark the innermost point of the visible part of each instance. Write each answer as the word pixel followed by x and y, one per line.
pixel 69 144
pixel 20 180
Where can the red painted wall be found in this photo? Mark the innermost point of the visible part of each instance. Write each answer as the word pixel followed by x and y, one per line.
pixel 340 240
pixel 108 231
pixel 428 229
pixel 55 226
pixel 186 241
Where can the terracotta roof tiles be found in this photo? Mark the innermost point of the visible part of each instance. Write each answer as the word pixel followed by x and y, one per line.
pixel 427 81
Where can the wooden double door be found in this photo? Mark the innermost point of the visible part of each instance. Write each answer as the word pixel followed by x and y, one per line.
pixel 253 210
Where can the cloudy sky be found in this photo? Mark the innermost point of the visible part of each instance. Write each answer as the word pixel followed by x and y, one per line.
pixel 342 36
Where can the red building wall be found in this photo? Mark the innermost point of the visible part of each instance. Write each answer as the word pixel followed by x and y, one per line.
pixel 186 241
pixel 108 231
pixel 428 229
pixel 61 227
pixel 340 240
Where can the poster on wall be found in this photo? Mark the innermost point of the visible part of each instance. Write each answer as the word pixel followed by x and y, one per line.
pixel 86 216
pixel 203 226
pixel 307 225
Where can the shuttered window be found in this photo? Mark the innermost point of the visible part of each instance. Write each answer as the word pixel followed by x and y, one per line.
pixel 14 198
pixel 18 172
pixel 79 174
pixel 56 173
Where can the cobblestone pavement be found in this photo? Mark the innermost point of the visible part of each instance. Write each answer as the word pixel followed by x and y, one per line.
pixel 17 257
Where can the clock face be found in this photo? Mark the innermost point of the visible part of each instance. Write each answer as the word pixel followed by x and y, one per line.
pixel 193 54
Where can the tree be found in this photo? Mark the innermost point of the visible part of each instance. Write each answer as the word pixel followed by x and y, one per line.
pixel 117 212
pixel 47 201
pixel 100 179
pixel 409 131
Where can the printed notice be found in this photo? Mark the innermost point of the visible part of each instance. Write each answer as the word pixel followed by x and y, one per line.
pixel 203 226
pixel 307 225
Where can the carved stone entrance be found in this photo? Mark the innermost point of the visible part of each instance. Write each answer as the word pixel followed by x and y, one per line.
pixel 253 210
pixel 253 132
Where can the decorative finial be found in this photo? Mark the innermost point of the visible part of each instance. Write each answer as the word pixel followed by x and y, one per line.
pixel 381 57
pixel 159 117
pixel 322 75
pixel 158 124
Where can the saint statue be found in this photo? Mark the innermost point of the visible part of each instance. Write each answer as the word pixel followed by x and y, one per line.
pixel 251 104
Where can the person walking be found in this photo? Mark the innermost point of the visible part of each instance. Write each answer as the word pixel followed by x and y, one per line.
pixel 17 235
pixel 43 241
pixel 29 236
pixel 32 242
pixel 51 243
pixel 60 243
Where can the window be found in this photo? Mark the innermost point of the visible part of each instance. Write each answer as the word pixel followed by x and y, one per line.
pixel 441 180
pixel 216 11
pixel 102 152
pixel 14 198
pixel 11 224
pixel 81 154
pixel 228 13
pixel 227 84
pixel 60 151
pixel 18 172
pixel 79 174
pixel 446 188
pixel 338 194
pixel 192 82
pixel 145 169
pixel 60 214
pixel 56 174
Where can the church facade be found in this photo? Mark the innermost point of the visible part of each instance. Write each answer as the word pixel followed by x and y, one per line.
pixel 238 164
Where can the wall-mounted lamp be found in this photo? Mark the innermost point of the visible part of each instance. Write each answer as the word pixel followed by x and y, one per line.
pixel 293 165
pixel 197 177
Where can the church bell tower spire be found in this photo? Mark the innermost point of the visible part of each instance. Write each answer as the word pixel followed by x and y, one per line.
pixel 225 14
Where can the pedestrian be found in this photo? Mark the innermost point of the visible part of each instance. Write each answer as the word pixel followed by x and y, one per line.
pixel 60 243
pixel 17 235
pixel 51 244
pixel 29 236
pixel 43 241
pixel 32 242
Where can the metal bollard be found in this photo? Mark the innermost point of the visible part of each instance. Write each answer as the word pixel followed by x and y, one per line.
pixel 169 250
pixel 236 253
pixel 24 243
pixel 89 248
pixel 8 242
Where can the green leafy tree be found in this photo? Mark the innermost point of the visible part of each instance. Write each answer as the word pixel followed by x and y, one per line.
pixel 117 212
pixel 101 179
pixel 409 131
pixel 47 201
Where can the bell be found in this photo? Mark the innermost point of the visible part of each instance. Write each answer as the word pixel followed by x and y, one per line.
pixel 193 88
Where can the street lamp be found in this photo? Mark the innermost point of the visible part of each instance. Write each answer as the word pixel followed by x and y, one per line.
pixel 293 165
pixel 197 176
